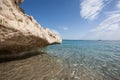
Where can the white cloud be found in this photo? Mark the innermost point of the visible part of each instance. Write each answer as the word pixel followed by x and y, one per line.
pixel 118 4
pixel 112 12
pixel 109 29
pixel 114 27
pixel 65 28
pixel 90 9
pixel 112 22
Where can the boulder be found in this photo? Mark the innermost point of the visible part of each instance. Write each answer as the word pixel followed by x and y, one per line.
pixel 20 32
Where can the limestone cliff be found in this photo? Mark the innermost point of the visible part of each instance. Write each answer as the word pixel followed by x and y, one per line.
pixel 20 32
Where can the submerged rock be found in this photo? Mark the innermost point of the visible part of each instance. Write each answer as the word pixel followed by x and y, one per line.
pixel 40 67
pixel 20 32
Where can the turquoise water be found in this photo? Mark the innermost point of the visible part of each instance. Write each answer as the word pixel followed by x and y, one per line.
pixel 89 60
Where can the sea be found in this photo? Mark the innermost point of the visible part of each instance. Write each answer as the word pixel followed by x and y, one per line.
pixel 89 59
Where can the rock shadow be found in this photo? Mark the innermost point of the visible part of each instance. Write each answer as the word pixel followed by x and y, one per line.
pixel 6 56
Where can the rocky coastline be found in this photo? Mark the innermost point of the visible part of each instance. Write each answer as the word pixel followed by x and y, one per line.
pixel 20 32
pixel 20 38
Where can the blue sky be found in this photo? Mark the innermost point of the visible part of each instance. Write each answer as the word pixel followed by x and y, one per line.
pixel 78 19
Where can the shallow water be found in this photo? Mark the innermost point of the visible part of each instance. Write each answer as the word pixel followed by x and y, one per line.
pixel 89 60
pixel 32 67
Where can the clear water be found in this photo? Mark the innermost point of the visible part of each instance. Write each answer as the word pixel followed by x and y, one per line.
pixel 89 60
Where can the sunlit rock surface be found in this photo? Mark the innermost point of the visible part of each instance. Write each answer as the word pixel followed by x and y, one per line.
pixel 20 32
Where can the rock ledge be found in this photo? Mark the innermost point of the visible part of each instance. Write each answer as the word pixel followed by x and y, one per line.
pixel 20 32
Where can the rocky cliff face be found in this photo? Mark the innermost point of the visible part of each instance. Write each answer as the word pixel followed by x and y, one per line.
pixel 20 32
